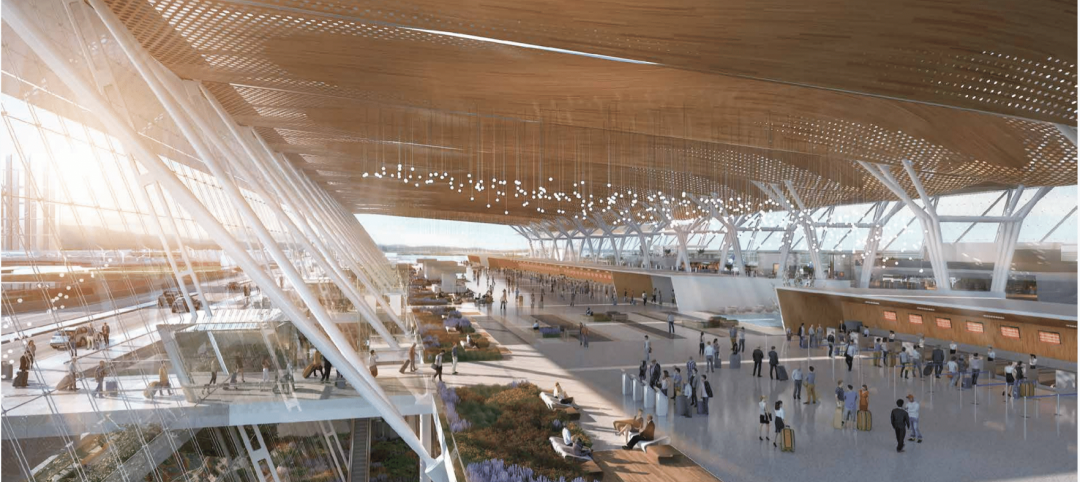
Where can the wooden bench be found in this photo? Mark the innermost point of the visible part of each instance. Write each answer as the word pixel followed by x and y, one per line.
pixel 573 413
pixel 592 470
pixel 663 453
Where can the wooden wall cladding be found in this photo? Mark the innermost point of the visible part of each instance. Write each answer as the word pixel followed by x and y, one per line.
pixel 798 308
pixel 874 316
pixel 632 283
pixel 553 269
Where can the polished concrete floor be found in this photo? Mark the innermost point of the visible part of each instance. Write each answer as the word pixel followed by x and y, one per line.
pixel 990 440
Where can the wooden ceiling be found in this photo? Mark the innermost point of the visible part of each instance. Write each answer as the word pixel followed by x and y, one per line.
pixel 719 94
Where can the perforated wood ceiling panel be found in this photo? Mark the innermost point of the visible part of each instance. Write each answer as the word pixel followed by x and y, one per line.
pixel 768 92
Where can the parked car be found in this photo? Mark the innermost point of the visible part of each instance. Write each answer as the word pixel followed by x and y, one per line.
pixel 179 306
pixel 167 298
pixel 61 337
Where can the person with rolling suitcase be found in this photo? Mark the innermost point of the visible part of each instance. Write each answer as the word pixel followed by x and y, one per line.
pixel 706 394
pixel 778 419
pixel 22 377
pixel 863 420
pixel 774 361
pixel 99 377
pixel 851 401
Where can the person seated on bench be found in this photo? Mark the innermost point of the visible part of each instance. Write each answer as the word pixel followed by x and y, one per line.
pixel 646 434
pixel 469 341
pixel 588 312
pixel 625 425
pixel 561 395
pixel 580 449
pixel 536 325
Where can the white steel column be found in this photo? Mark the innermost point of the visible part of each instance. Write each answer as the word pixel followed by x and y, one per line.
pixel 156 169
pixel 927 215
pixel 873 239
pixel 731 232
pixel 303 232
pixel 802 216
pixel 1007 235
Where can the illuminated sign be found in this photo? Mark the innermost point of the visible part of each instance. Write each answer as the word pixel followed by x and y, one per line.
pixel 974 327
pixel 914 319
pixel 944 323
pixel 1050 337
pixel 890 316
pixel 1010 332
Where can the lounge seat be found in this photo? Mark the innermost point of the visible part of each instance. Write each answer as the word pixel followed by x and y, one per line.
pixel 554 403
pixel 566 451
pixel 656 441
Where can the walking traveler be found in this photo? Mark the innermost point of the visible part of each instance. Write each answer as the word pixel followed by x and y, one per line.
pixel 758 356
pixel 849 356
pixel 774 361
pixel 904 366
pixel 671 323
pixel 99 377
pixel 864 399
pixel 710 353
pixel 912 408
pixel 938 358
pixel 900 420
pixel 764 418
pixel 410 362
pixel 437 365
pixel 796 375
pixel 851 402
pixel 811 387
pixel 701 343
pixel 778 414
pixel 648 347
pixel 976 367
pixel 1010 379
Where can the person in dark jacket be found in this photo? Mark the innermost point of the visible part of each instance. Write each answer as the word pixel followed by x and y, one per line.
pixel 899 419
pixel 758 356
pixel 706 394
pixel 774 361
pixel 654 379
pixel 938 357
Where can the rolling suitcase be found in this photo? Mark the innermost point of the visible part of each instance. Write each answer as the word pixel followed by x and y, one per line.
pixel 7 369
pixel 965 382
pixel 66 383
pixel 928 370
pixel 151 390
pixel 682 406
pixel 802 343
pixel 863 420
pixel 21 379
pixel 735 362
pixel 309 369
pixel 702 407
pixel 838 418
pixel 787 440
pixel 781 373
pixel 112 388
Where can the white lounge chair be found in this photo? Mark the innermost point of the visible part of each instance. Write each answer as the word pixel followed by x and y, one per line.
pixel 566 451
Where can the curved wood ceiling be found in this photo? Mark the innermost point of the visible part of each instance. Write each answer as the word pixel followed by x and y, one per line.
pixel 740 91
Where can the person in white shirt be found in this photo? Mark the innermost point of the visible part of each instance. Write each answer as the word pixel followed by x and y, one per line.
pixel 916 360
pixel 912 408
pixel 763 419
pixel 1010 379
pixel 866 332
pixel 710 352
pixel 1033 363
pixel 952 348
pixel 778 413
pixel 954 371
pixel 796 375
